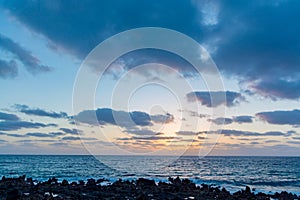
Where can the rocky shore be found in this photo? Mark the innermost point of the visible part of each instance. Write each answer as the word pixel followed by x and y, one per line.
pixel 27 188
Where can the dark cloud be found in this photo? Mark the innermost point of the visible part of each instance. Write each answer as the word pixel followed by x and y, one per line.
pixel 39 112
pixel 243 119
pixel 195 114
pixel 279 89
pixel 214 99
pixel 201 137
pixel 8 69
pixel 291 117
pixel 42 135
pixel 75 26
pixel 12 134
pixel 104 116
pixel 31 63
pixel 294 142
pixel 226 132
pixel 59 144
pixel 271 141
pixel 167 118
pixel 260 48
pixel 254 143
pixel 257 51
pixel 15 135
pixel 77 138
pixel 71 138
pixel 16 125
pixel 238 119
pixel 71 131
pixel 8 117
pixel 221 120
pixel 57 133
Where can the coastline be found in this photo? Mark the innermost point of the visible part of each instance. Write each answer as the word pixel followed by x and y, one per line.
pixel 173 188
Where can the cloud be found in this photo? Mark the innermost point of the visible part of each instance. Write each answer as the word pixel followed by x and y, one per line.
pixel 104 116
pixel 226 132
pixel 294 142
pixel 238 119
pixel 16 125
pixel 254 143
pixel 221 120
pixel 278 88
pixel 271 141
pixel 71 131
pixel 209 11
pixel 77 138
pixel 39 112
pixel 57 133
pixel 167 118
pixel 214 99
pixel 243 119
pixel 287 117
pixel 42 135
pixel 60 24
pixel 8 69
pixel 71 138
pixel 8 117
pixel 15 135
pixel 254 49
pixel 195 114
pixel 31 63
pixel 12 134
pixel 2 141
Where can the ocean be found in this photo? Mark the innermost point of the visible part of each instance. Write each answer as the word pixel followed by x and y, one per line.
pixel 266 174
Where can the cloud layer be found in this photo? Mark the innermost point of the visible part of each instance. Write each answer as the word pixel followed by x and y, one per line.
pixel 257 42
pixel 288 117
pixel 214 99
pixel 31 63
pixel 39 112
pixel 103 116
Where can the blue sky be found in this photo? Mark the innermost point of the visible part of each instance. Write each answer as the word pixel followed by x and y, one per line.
pixel 254 44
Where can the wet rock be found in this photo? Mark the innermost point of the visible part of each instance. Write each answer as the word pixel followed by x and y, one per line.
pixel 145 182
pixel 248 190
pixel 13 194
pixel 91 182
pixel 17 188
pixel 81 182
pixel 64 182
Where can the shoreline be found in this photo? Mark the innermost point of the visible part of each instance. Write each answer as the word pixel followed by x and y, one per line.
pixel 141 188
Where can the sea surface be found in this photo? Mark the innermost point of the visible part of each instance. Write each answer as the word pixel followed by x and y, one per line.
pixel 266 174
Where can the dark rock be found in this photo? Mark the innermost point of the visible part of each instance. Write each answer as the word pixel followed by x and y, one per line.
pixel 64 182
pixel 13 194
pixel 81 182
pixel 91 182
pixel 177 181
pixel 100 180
pixel 145 182
pixel 18 188
pixel 73 183
pixel 248 190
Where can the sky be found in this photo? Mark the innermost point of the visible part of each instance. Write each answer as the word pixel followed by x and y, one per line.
pixel 150 101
